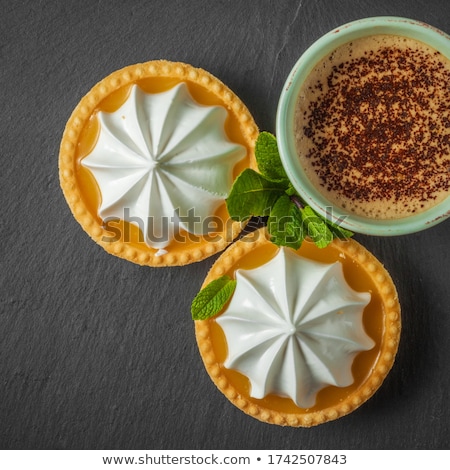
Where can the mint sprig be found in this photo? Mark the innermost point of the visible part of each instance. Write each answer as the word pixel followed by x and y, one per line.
pixel 270 193
pixel 212 298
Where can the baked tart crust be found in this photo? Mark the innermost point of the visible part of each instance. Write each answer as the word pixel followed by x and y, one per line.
pixel 282 411
pixel 159 75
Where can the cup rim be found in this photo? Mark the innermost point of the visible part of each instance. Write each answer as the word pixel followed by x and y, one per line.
pixel 285 118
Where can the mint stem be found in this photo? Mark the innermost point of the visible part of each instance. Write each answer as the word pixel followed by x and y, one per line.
pixel 295 199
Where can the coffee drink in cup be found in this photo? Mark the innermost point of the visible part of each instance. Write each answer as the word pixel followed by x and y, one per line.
pixel 372 126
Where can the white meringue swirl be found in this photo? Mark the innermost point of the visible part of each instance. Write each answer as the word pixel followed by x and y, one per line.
pixel 293 327
pixel 163 162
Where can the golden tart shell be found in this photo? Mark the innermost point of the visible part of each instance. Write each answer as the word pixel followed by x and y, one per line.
pixel 108 95
pixel 371 367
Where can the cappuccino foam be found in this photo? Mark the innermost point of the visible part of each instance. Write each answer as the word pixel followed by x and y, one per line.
pixel 372 126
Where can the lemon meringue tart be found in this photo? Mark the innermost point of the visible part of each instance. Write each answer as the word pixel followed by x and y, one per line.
pixel 307 337
pixel 148 158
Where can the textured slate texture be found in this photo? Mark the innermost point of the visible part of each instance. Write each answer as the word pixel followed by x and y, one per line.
pixel 96 352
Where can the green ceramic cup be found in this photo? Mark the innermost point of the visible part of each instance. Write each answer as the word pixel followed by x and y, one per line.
pixel 285 124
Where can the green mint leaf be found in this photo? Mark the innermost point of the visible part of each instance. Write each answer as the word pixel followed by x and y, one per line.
pixel 291 191
pixel 285 223
pixel 316 227
pixel 268 157
pixel 253 195
pixel 212 298
pixel 338 231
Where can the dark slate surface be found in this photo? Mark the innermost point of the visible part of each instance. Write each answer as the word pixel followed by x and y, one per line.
pixel 96 352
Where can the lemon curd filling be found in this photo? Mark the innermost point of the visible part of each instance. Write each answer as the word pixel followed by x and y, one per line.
pixel 91 194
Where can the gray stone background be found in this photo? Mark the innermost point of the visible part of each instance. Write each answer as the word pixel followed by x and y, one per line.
pixel 96 352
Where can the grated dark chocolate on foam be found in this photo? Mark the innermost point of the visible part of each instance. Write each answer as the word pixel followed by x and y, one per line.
pixel 380 131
